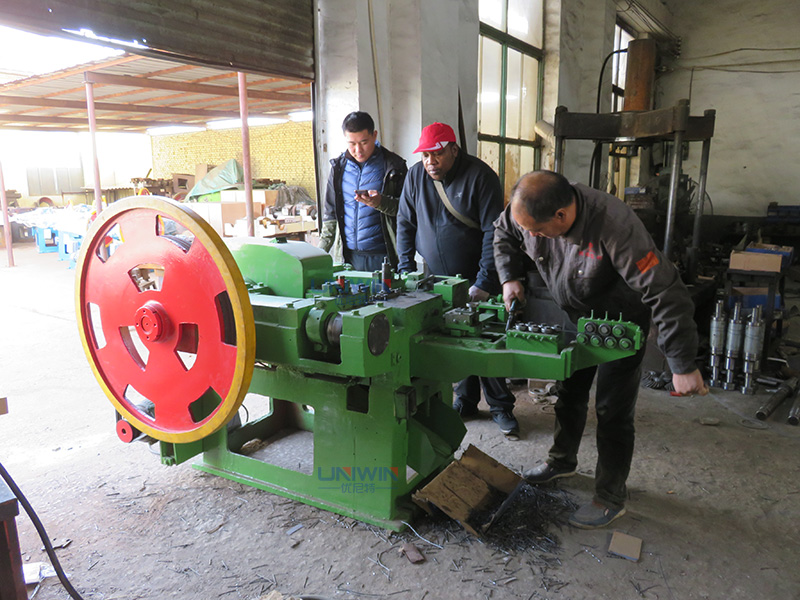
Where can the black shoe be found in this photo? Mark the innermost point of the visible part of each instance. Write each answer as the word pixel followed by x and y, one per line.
pixel 506 421
pixel 465 410
pixel 545 472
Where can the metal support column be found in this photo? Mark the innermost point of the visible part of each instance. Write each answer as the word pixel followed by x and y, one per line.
pixel 681 121
pixel 6 222
pixel 701 197
pixel 248 178
pixel 98 194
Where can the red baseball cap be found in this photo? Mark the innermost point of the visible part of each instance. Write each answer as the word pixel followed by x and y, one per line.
pixel 435 137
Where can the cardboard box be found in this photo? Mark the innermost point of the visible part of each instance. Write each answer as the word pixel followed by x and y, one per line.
pixel 265 197
pixel 201 170
pixel 755 261
pixel 218 214
pixel 3 406
pixel 786 252
pixel 467 488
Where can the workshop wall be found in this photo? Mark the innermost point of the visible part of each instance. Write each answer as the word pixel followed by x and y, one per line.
pixel 403 61
pixel 283 151
pixel 756 94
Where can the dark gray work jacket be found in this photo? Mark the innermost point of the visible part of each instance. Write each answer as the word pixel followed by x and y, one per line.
pixel 607 263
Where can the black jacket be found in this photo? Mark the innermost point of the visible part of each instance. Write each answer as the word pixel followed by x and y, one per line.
pixel 448 246
pixel 393 178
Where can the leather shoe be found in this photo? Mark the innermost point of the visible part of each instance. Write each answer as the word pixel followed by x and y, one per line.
pixel 546 472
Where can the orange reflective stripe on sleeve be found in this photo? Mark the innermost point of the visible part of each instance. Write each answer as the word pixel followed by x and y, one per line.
pixel 648 262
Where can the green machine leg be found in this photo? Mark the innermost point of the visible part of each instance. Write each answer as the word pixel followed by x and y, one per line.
pixel 373 443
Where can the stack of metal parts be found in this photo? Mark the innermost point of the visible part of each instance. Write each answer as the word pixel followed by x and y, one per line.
pixel 736 348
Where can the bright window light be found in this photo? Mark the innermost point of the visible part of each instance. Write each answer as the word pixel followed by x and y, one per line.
pixel 31 54
pixel 237 123
pixel 301 115
pixel 174 129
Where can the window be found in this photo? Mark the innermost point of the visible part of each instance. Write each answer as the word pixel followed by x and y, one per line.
pixel 618 68
pixel 509 86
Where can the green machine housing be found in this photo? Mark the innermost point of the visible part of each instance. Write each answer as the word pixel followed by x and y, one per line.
pixel 360 366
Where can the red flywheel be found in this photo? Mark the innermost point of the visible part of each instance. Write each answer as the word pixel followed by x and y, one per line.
pixel 165 318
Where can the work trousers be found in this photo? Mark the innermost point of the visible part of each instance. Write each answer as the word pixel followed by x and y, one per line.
pixel 615 403
pixel 498 396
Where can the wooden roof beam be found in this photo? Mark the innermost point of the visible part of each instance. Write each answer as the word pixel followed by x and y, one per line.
pixel 116 107
pixel 195 88
pixel 4 118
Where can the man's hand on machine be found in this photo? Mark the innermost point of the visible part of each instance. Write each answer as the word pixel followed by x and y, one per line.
pixel 476 294
pixel 689 384
pixel 513 290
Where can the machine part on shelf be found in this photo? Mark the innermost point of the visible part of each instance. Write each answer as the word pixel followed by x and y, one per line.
pixel 753 346
pixel 717 343
pixel 786 390
pixel 733 346
pixel 356 367
pixel 794 413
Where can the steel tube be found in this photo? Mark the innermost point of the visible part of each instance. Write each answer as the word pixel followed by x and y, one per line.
pixel 786 390
pixel 794 413
pixel 248 178
pixel 701 191
pixel 681 121
pixel 98 193
pixel 6 223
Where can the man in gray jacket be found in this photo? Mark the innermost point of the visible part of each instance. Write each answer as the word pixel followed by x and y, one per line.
pixel 594 254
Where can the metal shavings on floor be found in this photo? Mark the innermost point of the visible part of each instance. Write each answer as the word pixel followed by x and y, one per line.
pixel 523 526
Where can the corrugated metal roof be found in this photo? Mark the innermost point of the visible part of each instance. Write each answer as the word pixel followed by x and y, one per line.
pixel 134 93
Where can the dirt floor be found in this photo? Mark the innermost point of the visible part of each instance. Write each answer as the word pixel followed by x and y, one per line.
pixel 717 506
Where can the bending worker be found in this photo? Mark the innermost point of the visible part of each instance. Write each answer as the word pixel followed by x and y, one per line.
pixel 360 216
pixel 594 254
pixel 449 203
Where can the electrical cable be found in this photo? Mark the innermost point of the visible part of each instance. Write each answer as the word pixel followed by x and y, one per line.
pixel 62 576
pixel 602 70
pixel 597 145
pixel 787 49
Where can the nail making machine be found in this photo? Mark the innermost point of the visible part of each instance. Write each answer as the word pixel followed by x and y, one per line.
pixel 180 328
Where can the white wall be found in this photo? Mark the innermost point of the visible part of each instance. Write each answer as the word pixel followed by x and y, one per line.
pixel 579 34
pixel 754 152
pixel 426 52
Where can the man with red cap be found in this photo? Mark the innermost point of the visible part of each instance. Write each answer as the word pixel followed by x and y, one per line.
pixel 447 211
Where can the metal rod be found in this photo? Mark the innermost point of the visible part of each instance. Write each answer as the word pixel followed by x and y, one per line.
pixel 248 178
pixel 98 194
pixel 787 389
pixel 701 191
pixel 794 413
pixel 6 223
pixel 681 118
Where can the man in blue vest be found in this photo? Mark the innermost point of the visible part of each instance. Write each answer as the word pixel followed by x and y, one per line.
pixel 360 211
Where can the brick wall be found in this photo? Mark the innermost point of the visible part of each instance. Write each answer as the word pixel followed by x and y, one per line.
pixel 284 151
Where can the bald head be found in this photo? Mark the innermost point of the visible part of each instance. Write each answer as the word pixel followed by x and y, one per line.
pixel 541 193
pixel 543 204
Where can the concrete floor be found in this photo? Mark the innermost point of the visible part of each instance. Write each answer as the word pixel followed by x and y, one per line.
pixel 717 507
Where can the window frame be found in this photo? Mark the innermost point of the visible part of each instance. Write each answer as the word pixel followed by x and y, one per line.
pixel 508 41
